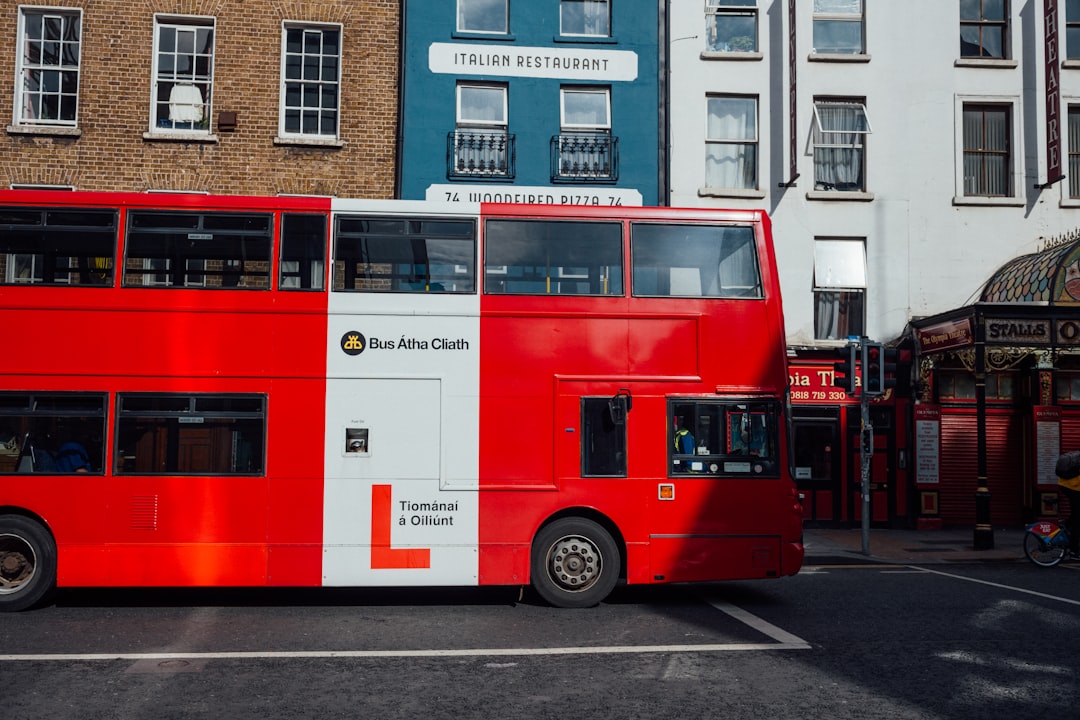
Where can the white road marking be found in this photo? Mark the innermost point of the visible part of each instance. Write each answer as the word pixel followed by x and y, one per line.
pixel 784 641
pixel 448 653
pixel 997 585
pixel 787 640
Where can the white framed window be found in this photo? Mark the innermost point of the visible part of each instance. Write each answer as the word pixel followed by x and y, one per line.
pixel 988 149
pixel 731 26
pixel 483 16
pixel 481 141
pixel 585 149
pixel 838 27
pixel 590 18
pixel 984 29
pixel 183 74
pixel 839 288
pixel 731 142
pixel 47 67
pixel 481 105
pixel 310 81
pixel 841 127
pixel 585 108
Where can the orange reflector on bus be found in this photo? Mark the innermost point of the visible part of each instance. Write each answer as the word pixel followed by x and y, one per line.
pixel 667 491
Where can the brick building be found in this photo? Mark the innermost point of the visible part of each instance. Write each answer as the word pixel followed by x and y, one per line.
pixel 275 97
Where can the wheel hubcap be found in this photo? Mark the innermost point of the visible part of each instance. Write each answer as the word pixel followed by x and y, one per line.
pixel 574 563
pixel 16 563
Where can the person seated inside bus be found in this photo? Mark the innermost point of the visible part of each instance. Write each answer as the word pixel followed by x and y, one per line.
pixel 684 439
pixel 685 446
pixel 71 458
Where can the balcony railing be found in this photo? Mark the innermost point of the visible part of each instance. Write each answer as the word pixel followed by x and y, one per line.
pixel 584 157
pixel 480 154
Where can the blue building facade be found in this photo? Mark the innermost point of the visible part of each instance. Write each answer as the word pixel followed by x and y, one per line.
pixel 555 101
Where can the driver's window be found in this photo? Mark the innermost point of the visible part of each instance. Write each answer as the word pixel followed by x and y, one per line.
pixel 715 437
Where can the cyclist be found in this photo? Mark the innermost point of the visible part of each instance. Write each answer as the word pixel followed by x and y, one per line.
pixel 1070 486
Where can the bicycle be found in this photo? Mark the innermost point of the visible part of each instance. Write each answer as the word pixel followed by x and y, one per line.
pixel 1046 542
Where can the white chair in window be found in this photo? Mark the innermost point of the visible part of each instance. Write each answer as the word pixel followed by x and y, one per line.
pixel 185 104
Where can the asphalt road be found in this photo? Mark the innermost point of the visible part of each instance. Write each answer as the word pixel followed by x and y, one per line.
pixel 855 641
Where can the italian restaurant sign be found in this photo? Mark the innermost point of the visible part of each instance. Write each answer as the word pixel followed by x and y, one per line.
pixel 537 62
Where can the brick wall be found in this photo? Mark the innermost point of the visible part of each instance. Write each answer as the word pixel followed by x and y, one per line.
pixel 111 152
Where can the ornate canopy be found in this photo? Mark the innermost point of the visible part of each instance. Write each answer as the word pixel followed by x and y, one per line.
pixel 1051 276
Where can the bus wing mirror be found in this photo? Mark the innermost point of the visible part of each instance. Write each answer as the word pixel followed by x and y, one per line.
pixel 619 406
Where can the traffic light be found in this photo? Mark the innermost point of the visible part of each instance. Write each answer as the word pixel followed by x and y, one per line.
pixel 844 371
pixel 873 371
pixel 878 368
pixel 889 357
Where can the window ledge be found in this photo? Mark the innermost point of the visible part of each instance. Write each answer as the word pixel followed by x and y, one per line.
pixel 207 139
pixel 986 63
pixel 53 130
pixel 1069 202
pixel 839 57
pixel 730 193
pixel 1072 64
pixel 463 35
pixel 586 39
pixel 741 56
pixel 988 201
pixel 332 143
pixel 839 195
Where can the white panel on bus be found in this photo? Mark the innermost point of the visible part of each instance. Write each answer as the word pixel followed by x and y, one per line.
pixel 402 446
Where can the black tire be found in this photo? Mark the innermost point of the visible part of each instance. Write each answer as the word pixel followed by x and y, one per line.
pixel 575 563
pixel 1040 552
pixel 27 563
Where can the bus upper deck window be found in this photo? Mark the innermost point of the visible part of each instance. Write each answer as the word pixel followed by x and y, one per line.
pixel 684 260
pixel 303 252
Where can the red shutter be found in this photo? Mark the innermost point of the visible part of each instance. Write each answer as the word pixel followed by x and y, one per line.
pixel 959 466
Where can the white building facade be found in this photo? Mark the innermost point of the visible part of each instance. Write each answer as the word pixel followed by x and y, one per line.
pixel 880 150
pixel 905 151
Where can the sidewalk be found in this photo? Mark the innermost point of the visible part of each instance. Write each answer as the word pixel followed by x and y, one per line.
pixel 844 546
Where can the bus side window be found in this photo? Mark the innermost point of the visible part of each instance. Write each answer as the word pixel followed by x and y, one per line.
pixel 57 246
pixel 404 255
pixel 191 434
pixel 683 260
pixel 303 252
pixel 552 257
pixel 52 433
pixel 603 439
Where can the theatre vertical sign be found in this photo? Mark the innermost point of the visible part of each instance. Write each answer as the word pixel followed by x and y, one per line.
pixel 1053 93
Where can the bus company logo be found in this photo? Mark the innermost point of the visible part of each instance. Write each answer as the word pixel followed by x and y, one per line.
pixel 353 342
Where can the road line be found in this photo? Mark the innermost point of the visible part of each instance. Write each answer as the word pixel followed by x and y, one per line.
pixel 786 639
pixel 998 585
pixel 864 566
pixel 469 652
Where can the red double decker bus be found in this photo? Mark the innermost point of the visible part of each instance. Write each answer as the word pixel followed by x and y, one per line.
pixel 241 391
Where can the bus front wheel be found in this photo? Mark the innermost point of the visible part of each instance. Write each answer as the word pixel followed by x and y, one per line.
pixel 575 563
pixel 27 563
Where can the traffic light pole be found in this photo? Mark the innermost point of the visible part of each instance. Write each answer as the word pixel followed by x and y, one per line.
pixel 866 442
pixel 871 364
